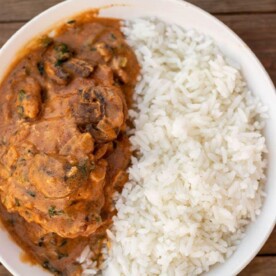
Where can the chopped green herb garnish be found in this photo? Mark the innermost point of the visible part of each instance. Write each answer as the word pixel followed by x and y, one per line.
pixel 59 62
pixel 71 21
pixel 31 193
pixel 17 203
pixel 62 47
pixel 83 168
pixel 113 36
pixel 53 212
pixel 46 41
pixel 62 52
pixel 20 110
pixel 93 49
pixel 21 95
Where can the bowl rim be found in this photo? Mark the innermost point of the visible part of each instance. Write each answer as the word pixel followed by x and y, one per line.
pixel 9 264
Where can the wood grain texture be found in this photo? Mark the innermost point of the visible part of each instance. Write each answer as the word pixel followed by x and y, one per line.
pixel 23 10
pixel 7 30
pixel 270 246
pixel 261 266
pixel 3 271
pixel 236 6
pixel 259 32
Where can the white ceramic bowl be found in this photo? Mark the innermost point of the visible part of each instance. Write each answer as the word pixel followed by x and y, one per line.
pixel 188 16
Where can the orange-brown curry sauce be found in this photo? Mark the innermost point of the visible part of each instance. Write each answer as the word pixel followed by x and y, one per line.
pixel 63 146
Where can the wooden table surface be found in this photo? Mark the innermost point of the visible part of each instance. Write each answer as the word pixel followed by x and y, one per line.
pixel 253 20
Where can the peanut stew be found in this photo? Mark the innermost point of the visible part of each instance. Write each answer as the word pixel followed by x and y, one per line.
pixel 63 145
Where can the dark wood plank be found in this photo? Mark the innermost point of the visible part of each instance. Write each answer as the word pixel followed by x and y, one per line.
pixel 7 30
pixel 236 6
pixel 259 32
pixel 261 266
pixel 3 271
pixel 22 10
pixel 270 246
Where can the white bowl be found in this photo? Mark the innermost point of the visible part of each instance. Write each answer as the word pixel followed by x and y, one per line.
pixel 188 16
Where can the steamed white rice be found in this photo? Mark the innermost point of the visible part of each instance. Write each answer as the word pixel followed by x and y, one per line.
pixel 198 180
